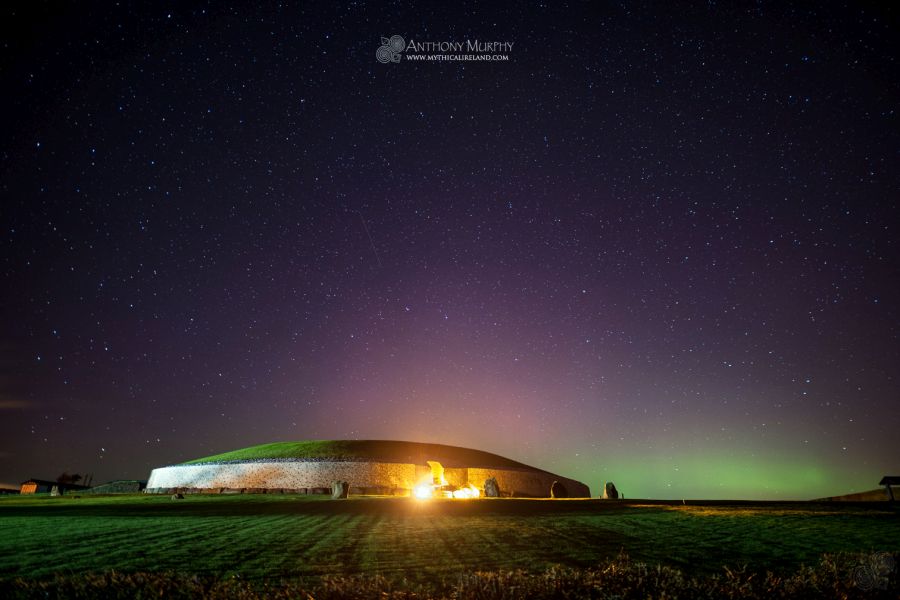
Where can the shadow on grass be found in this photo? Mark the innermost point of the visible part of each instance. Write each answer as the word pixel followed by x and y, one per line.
pixel 243 505
pixel 227 506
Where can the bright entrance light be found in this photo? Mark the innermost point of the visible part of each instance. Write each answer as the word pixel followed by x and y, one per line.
pixel 469 491
pixel 423 491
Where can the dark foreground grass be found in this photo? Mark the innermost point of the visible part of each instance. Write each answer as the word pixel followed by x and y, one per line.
pixel 836 576
pixel 240 544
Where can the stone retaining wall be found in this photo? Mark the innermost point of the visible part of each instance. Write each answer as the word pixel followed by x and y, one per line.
pixel 364 478
pixel 282 475
pixel 535 484
pixel 117 487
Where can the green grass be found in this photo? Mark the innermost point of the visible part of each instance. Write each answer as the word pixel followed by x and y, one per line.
pixel 395 451
pixel 840 576
pixel 269 537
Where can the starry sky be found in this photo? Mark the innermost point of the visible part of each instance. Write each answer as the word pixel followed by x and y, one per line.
pixel 648 243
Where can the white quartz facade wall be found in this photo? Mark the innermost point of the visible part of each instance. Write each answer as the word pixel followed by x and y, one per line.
pixel 282 475
pixel 393 477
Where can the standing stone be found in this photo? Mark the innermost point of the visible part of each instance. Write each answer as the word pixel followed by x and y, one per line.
pixel 491 488
pixel 55 491
pixel 339 490
pixel 610 492
pixel 558 490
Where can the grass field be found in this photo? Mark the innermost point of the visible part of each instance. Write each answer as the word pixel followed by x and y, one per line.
pixel 269 537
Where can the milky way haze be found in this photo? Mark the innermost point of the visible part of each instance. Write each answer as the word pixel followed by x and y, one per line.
pixel 654 244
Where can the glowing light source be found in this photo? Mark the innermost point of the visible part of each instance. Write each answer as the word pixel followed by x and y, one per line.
pixel 437 486
pixel 426 491
pixel 423 491
pixel 470 491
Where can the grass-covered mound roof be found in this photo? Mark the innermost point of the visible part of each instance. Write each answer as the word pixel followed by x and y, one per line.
pixel 372 450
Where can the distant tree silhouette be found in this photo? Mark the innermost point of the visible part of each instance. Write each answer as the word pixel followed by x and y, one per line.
pixel 65 478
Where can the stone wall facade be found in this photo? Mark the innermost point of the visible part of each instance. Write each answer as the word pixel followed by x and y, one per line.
pixel 535 484
pixel 117 487
pixel 290 476
pixel 363 477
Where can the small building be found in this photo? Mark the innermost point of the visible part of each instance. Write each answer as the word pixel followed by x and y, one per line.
pixel 43 486
pixel 889 493
pixel 36 486
pixel 888 481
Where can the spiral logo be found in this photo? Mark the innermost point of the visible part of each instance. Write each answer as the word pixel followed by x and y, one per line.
pixel 384 54
pixel 390 49
pixel 397 43
pixel 874 571
pixel 865 577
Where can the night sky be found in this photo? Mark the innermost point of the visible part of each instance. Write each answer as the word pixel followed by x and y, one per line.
pixel 655 244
